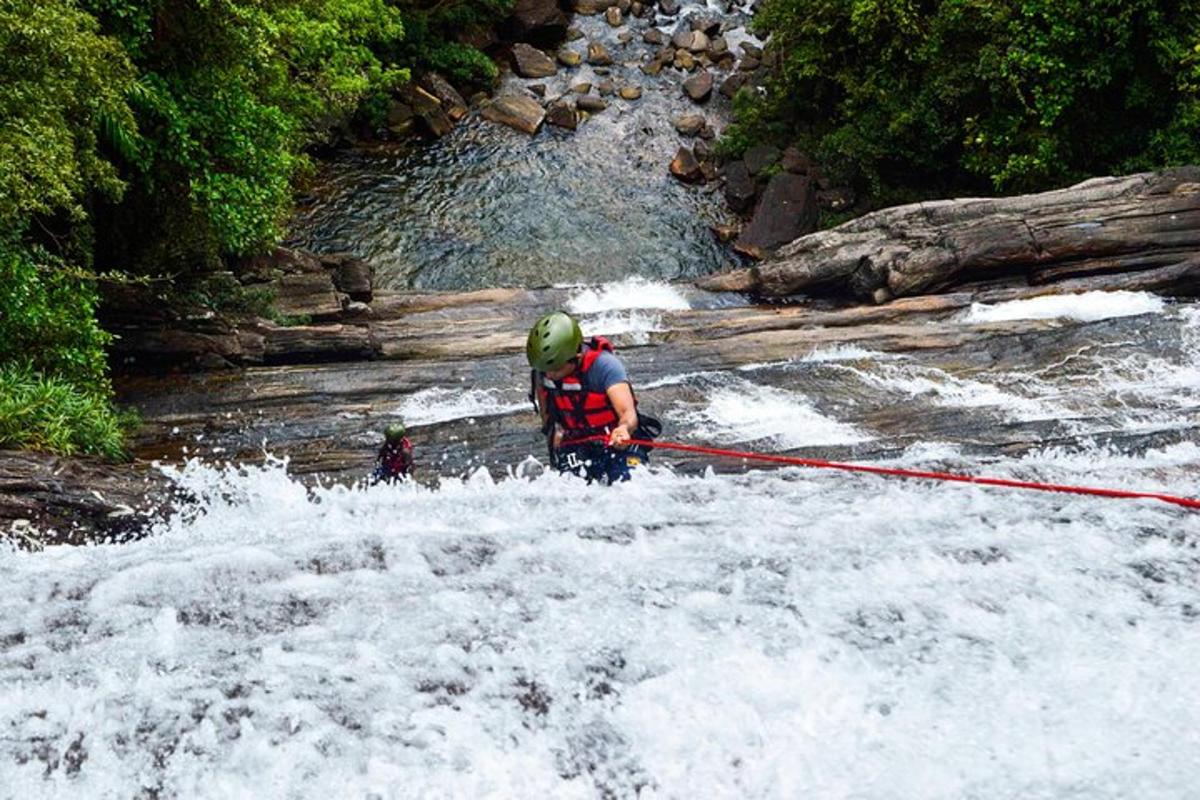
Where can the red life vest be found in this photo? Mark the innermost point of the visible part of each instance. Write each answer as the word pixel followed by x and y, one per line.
pixel 580 411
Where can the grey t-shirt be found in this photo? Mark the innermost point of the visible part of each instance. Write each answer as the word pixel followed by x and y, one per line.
pixel 607 371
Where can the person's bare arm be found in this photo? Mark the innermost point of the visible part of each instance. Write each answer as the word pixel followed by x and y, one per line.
pixel 621 397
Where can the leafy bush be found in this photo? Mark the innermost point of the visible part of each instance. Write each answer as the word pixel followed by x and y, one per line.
pixel 907 99
pixel 39 412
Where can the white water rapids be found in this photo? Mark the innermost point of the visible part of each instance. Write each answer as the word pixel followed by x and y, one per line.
pixel 774 634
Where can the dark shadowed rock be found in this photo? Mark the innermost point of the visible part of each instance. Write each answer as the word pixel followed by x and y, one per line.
pixel 452 102
pixel 668 8
pixel 787 210
pixel 739 186
pixel 540 20
pixel 730 86
pixel 760 157
pixel 529 62
pixel 699 87
pixel 516 111
pixel 709 26
pixel 795 161
pixel 351 275
pixel 685 167
pixel 655 37
pixel 436 123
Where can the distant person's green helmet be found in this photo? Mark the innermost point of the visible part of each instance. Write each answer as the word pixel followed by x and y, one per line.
pixel 394 433
pixel 553 341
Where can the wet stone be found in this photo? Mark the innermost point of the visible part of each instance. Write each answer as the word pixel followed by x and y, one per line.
pixel 590 103
pixel 652 67
pixel 598 55
pixel 693 41
pixel 569 58
pixel 630 92
pixel 739 186
pixel 574 34
pixel 538 89
pixel 685 167
pixel 689 124
pixel 684 60
pixel 613 17
pixel 529 62
pixel 731 85
pixel 625 37
pixel 516 111
pixel 654 36
pixel 562 115
pixel 581 88
pixel 751 50
pixel 668 8
pixel 749 64
pixel 699 87
pixel 794 161
pixel 606 88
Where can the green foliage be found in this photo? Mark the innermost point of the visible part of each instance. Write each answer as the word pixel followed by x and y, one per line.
pixel 431 43
pixel 39 412
pixel 62 84
pixel 229 94
pixel 47 320
pixel 54 388
pixel 221 292
pixel 906 98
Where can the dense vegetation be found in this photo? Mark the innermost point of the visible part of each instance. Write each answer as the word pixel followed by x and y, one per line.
pixel 906 99
pixel 158 138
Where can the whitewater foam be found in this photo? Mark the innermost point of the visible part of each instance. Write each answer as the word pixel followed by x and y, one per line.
pixel 1085 307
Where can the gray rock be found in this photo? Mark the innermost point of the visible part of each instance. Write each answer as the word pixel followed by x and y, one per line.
pixel 692 41
pixel 739 186
pixel 699 87
pixel 529 62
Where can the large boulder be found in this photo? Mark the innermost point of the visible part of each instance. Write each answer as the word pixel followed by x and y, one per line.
pixel 787 211
pixel 516 111
pixel 452 102
pixel 529 62
pixel 739 186
pixel 539 21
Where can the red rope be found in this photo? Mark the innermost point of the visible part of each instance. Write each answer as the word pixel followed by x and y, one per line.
pixel 1186 502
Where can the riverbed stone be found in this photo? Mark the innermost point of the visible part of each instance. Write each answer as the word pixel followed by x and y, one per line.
pixel 668 8
pixel 794 161
pixel 750 49
pixel 529 62
pixel 562 114
pixel 787 211
pixel 574 34
pixel 689 124
pixel 516 111
pixel 436 123
pixel 569 58
pixel 702 149
pixel 590 103
pixel 606 88
pixel 749 64
pixel 726 232
pixel 692 41
pixel 637 9
pixel 539 89
pixel 400 117
pixel 630 92
pixel 709 26
pixel 699 87
pixel 685 167
pixel 730 86
pixel 739 186
pixel 718 47
pixel 612 15
pixel 684 61
pixel 625 37
pixel 655 37
pixel 581 88
pixel 652 67
pixel 598 55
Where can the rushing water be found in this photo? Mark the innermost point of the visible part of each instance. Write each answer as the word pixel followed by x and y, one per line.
pixel 489 206
pixel 772 634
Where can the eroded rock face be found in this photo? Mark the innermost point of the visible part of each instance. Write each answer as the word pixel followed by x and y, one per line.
pixel 1137 232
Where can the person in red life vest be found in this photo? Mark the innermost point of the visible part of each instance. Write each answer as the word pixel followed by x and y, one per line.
pixel 581 390
pixel 395 457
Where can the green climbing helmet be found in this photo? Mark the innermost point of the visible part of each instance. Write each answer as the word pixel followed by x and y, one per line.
pixel 554 340
pixel 394 433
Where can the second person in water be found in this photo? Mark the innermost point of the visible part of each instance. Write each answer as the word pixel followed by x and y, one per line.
pixel 581 390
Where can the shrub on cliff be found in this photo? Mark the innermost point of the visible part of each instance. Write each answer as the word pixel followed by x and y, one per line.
pixel 917 99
